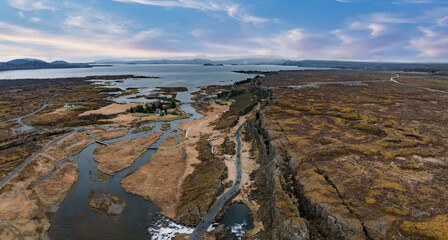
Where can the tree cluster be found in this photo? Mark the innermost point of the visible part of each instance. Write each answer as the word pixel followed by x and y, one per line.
pixel 152 108
pixel 233 93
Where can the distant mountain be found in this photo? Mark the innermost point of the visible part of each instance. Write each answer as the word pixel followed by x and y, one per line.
pixel 200 61
pixel 31 63
pixel 439 68
pixel 59 62
pixel 383 66
pixel 25 60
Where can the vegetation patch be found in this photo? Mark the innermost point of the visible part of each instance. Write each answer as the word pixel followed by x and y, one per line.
pixel 379 151
pixel 243 101
pixel 201 188
pixel 108 204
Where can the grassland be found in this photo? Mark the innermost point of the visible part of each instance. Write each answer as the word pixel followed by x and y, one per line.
pixel 292 78
pixel 23 96
pixel 373 156
pixel 201 188
pixel 439 82
pixel 122 154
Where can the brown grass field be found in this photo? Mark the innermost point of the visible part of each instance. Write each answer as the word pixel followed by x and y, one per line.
pixel 376 153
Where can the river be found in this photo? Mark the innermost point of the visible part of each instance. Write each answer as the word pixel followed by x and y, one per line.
pixel 140 219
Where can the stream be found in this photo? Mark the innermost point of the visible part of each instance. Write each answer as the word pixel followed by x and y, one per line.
pixel 74 219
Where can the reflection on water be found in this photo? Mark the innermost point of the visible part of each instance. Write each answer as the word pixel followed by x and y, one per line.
pixel 140 219
pixel 238 219
pixel 179 73
pixel 75 220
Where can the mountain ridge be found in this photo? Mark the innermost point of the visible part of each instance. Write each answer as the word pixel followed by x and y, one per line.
pixel 31 63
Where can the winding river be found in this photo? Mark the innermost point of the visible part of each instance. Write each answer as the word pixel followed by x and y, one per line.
pixel 73 218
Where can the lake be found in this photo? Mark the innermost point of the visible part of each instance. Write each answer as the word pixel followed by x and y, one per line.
pixel 140 220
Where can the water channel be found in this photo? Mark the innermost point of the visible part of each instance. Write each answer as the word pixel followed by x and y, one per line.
pixel 74 218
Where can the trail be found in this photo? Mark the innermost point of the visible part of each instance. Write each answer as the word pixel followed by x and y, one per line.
pixel 13 229
pixel 205 223
pixel 26 127
pixel 188 130
pixel 392 79
pixel 17 170
pixel 213 147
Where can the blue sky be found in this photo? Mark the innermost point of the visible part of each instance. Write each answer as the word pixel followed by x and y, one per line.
pixel 84 30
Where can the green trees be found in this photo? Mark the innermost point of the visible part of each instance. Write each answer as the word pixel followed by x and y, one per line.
pixel 173 104
pixel 231 94
pixel 152 107
pixel 139 109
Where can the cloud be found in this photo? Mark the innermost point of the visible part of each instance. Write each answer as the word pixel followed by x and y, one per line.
pixel 35 20
pixel 292 43
pixel 432 44
pixel 375 29
pixel 83 29
pixel 383 17
pixel 68 46
pixel 87 21
pixel 30 5
pixel 375 36
pixel 233 10
pixel 404 2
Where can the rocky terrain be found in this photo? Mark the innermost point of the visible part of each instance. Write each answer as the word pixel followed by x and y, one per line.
pixel 351 161
pixel 108 204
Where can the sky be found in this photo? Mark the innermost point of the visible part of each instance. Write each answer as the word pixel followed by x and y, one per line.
pixel 86 30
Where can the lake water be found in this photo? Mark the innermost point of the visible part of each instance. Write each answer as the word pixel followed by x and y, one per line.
pixel 140 219
pixel 171 75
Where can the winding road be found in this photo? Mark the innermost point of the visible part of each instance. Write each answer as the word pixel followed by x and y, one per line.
pixel 13 229
pixel 205 223
pixel 392 79
pixel 19 119
pixel 213 147
pixel 12 174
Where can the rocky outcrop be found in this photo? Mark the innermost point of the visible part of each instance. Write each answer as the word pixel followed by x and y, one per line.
pixel 320 201
pixel 296 201
pixel 108 204
pixel 278 209
pixel 227 147
pixel 221 232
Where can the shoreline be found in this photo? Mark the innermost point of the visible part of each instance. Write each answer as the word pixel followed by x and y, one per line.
pixel 191 131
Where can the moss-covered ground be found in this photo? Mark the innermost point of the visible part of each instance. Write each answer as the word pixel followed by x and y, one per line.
pixel 378 150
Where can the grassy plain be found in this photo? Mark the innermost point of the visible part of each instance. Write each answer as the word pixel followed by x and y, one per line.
pixel 376 153
pixel 23 96
pixel 439 82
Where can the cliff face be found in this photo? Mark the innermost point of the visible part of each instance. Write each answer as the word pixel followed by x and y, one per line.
pixel 278 205
pixel 290 205
pixel 335 167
